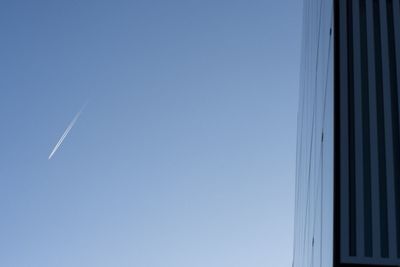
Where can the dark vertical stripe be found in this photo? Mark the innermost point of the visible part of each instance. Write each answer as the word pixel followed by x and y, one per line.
pixel 365 131
pixel 396 24
pixel 344 135
pixel 395 114
pixel 381 133
pixel 358 132
pixel 387 98
pixel 351 122
pixel 373 118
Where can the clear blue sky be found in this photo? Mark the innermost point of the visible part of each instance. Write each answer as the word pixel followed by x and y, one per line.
pixel 185 153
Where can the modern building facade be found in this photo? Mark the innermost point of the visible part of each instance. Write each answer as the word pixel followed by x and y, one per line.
pixel 347 210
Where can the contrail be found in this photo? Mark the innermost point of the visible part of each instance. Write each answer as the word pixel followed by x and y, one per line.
pixel 67 131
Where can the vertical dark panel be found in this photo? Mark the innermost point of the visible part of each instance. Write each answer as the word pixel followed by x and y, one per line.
pixel 351 133
pixel 369 127
pixel 365 131
pixel 395 113
pixel 344 148
pixel 373 118
pixel 396 24
pixel 396 43
pixel 358 132
pixel 387 98
pixel 381 132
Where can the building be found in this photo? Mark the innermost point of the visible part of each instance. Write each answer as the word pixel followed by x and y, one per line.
pixel 347 209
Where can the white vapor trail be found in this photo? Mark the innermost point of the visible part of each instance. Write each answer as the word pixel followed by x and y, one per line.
pixel 66 131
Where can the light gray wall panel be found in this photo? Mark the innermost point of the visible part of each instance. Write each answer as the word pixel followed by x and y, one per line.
pixel 313 242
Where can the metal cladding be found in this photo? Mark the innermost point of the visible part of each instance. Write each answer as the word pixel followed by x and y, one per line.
pixel 367 59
